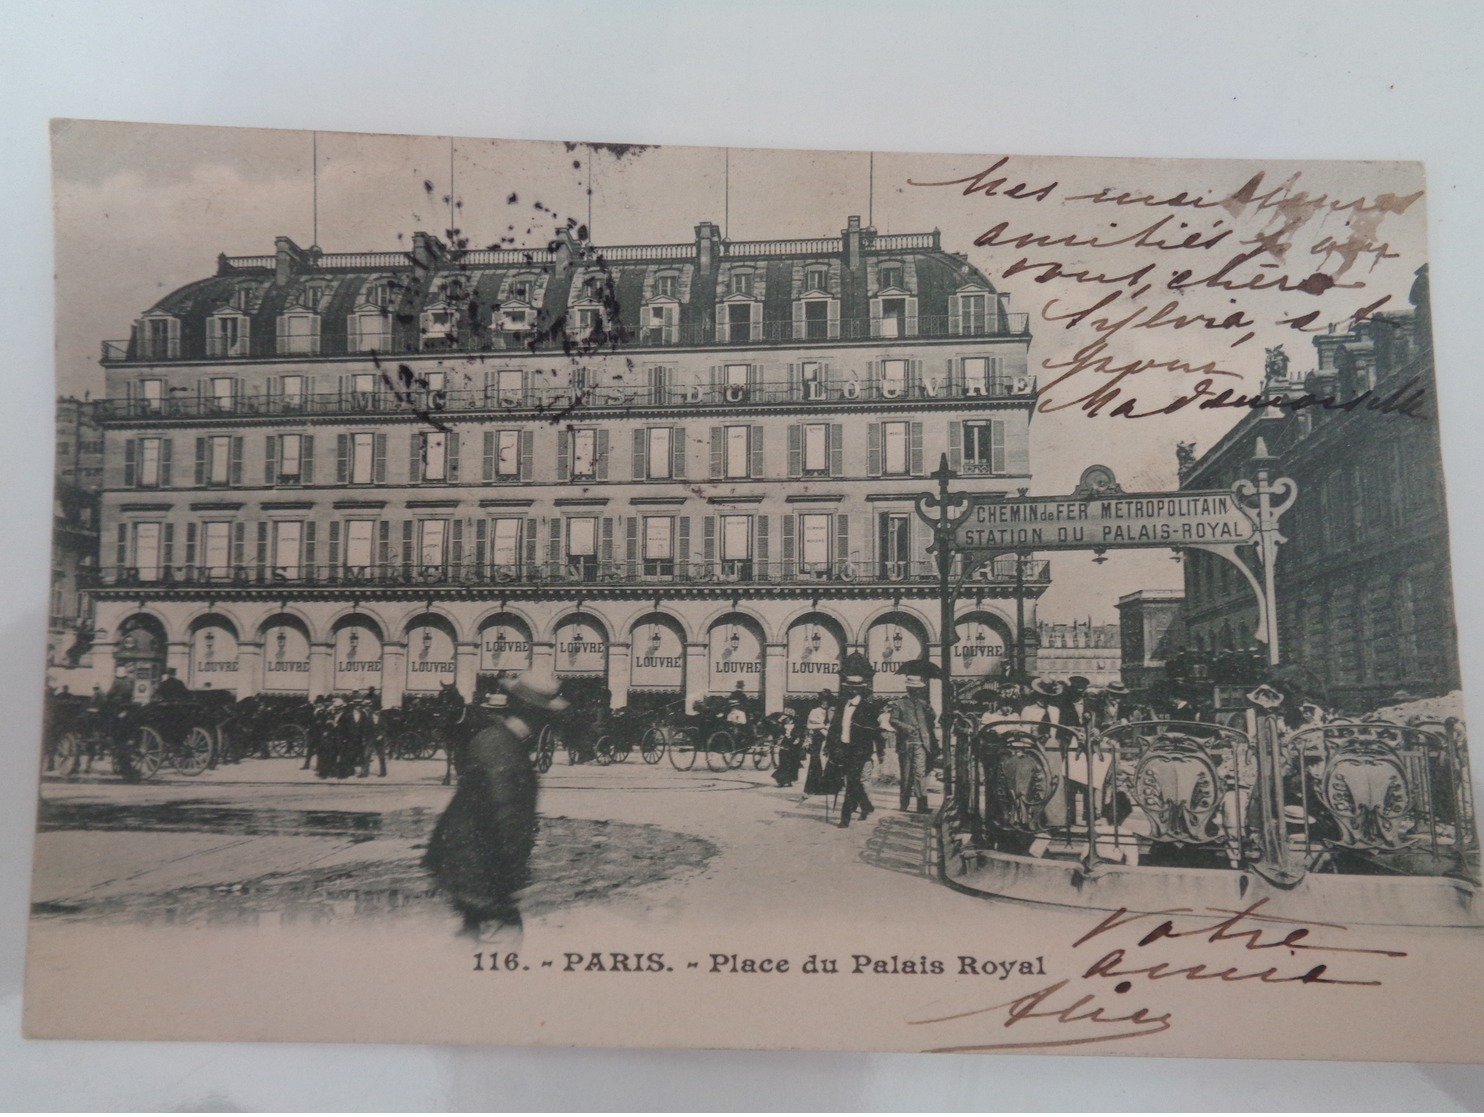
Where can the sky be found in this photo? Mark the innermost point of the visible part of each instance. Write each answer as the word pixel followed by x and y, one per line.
pixel 143 209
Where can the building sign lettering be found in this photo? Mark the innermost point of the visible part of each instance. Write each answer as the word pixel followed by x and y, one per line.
pixel 1133 520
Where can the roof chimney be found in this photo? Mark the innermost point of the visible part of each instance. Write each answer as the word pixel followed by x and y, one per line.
pixel 851 235
pixel 708 244
pixel 427 250
pixel 289 259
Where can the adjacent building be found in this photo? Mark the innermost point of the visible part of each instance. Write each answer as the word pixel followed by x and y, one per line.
pixel 664 470
pixel 75 519
pixel 1151 628
pixel 1363 582
pixel 1080 648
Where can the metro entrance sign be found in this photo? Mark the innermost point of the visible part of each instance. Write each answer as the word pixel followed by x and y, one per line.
pixel 997 524
pixel 1239 524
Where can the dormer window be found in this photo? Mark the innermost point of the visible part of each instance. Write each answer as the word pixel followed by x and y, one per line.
pixel 369 328
pixel 242 296
pixel 159 338
pixel 523 289
pixel 588 319
pixel 664 286
pixel 227 335
pixel 816 279
pixel 742 283
pixel 378 294
pixel 592 288
pixel 659 323
pixel 439 322
pixel 312 296
pixel 973 313
pixel 891 277
pixel 298 333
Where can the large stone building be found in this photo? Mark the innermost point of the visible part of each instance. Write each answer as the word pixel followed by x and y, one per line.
pixel 672 470
pixel 1363 582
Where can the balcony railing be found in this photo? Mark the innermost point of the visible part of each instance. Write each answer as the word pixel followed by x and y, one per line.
pixel 386 400
pixel 729 572
pixel 463 338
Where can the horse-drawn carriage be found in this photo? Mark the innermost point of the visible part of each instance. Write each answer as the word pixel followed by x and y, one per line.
pixel 136 740
pixel 723 729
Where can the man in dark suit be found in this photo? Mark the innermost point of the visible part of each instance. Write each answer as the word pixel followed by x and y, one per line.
pixel 853 732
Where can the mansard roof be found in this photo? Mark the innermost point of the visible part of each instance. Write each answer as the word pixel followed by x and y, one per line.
pixel 265 287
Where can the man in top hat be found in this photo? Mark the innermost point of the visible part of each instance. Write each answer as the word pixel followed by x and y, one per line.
pixel 1072 704
pixel 480 851
pixel 851 740
pixel 171 689
pixel 912 718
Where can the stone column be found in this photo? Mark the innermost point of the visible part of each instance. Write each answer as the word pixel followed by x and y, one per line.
pixel 775 677
pixel 321 669
pixel 697 674
pixel 178 656
pixel 466 668
pixel 104 664
pixel 249 669
pixel 543 655
pixel 620 665
pixel 393 675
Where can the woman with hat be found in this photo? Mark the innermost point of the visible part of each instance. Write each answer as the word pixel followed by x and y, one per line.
pixel 480 851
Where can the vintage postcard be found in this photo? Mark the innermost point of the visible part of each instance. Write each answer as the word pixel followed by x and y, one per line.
pixel 594 594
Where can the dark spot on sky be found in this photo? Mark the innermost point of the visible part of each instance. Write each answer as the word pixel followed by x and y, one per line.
pixel 510 201
pixel 577 164
pixel 428 185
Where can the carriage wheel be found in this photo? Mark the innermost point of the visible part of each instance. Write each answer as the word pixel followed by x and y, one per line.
pixel 652 746
pixel 66 755
pixel 545 749
pixel 407 744
pixel 193 756
pixel 721 747
pixel 427 746
pixel 764 753
pixel 682 749
pixel 622 746
pixel 148 749
pixel 287 740
pixel 603 749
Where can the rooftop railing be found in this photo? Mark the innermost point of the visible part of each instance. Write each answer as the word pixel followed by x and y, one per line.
pixel 386 399
pixel 573 571
pixel 601 338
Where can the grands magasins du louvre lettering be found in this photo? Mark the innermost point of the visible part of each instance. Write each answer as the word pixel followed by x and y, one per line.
pixel 680 468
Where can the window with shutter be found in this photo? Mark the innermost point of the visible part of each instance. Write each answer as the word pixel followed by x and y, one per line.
pixel 837 450
pixel 526 442
pixel 641 447
pixel 916 449
pixel 756 448
pixel 716 452
pixel 795 450
pixel 677 452
pixel 682 545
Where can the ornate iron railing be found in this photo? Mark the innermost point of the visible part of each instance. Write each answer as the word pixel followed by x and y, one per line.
pixel 616 573
pixel 1357 797
pixel 567 336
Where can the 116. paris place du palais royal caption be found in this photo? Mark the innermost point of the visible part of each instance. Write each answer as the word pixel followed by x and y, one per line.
pixel 615 595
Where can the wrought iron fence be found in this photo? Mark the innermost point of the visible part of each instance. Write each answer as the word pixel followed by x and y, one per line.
pixel 1370 798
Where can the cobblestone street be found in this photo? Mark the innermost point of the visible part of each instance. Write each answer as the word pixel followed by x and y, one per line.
pixel 267 843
